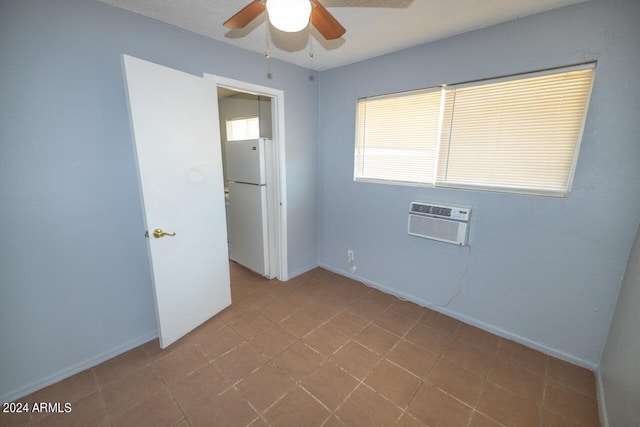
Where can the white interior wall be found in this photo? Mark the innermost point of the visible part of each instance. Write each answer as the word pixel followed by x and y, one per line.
pixel 75 287
pixel 619 369
pixel 542 271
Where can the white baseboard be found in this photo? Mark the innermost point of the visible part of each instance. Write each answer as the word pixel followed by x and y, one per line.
pixel 602 407
pixel 465 319
pixel 302 270
pixel 79 367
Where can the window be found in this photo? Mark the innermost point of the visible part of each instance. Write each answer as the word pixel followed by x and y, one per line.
pixel 241 129
pixel 396 139
pixel 516 134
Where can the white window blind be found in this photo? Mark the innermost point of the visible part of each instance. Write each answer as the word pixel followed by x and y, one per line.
pixel 395 138
pixel 241 129
pixel 517 134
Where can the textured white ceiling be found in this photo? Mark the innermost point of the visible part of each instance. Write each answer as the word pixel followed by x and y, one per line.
pixel 374 27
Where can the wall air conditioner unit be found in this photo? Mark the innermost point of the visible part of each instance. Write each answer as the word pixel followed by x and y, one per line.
pixel 448 224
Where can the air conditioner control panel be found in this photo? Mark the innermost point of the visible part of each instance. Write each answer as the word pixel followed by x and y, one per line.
pixel 451 212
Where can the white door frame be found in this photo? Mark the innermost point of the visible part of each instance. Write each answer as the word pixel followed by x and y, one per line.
pixel 279 209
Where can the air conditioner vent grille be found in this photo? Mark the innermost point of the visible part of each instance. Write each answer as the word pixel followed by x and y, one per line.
pixel 433 222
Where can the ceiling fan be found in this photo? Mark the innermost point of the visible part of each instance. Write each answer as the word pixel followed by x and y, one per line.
pixel 290 16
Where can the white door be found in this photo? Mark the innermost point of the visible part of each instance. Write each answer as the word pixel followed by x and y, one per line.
pixel 174 119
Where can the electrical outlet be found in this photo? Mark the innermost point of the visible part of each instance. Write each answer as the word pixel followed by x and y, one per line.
pixel 351 260
pixel 350 256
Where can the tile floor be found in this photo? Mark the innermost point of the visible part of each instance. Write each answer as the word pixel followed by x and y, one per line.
pixel 323 350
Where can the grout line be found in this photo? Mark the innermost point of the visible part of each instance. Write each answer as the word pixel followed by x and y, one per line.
pixel 104 402
pixel 168 389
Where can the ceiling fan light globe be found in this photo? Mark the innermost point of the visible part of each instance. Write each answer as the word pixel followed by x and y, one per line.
pixel 289 15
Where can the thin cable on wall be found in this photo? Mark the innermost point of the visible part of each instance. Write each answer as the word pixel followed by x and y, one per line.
pixel 453 297
pixel 459 284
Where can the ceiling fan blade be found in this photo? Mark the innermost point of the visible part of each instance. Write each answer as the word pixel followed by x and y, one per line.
pixel 246 15
pixel 325 23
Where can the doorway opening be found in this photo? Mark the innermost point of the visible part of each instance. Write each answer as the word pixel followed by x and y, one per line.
pixel 252 117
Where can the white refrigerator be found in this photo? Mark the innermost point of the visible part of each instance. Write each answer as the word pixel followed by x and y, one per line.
pixel 247 214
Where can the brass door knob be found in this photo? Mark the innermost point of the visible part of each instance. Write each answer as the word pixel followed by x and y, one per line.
pixel 158 233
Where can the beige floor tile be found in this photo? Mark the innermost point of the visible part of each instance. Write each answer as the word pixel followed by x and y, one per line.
pixel 88 411
pixel 180 363
pixel 69 390
pixel 195 390
pixel 394 383
pixel 299 324
pixel 129 390
pixel 240 362
pixel 330 384
pixel 299 360
pixel 347 323
pixel 476 337
pixel 215 343
pixel 456 381
pixel 356 359
pixel 480 420
pixel 272 341
pixel 394 322
pixel 325 340
pixel 259 422
pixel 571 404
pixel 297 409
pixel 154 352
pixel 279 310
pixel 376 339
pixel 407 420
pixel 261 297
pixel 348 293
pixel 229 409
pixel 428 338
pixel 158 410
pixel 468 357
pixel 549 419
pixel 236 311
pixel 15 419
pixel 517 353
pixel 322 311
pixel 320 288
pixel 437 409
pixel 366 408
pixel 572 376
pixel 507 408
pixel 265 386
pixel 517 379
pixel 251 324
pixel 300 297
pixel 121 365
pixel 408 309
pixel 334 422
pixel 383 298
pixel 413 358
pixel 368 308
pixel 445 324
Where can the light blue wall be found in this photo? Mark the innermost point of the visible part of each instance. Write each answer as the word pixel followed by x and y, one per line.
pixel 543 271
pixel 74 279
pixel 619 370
